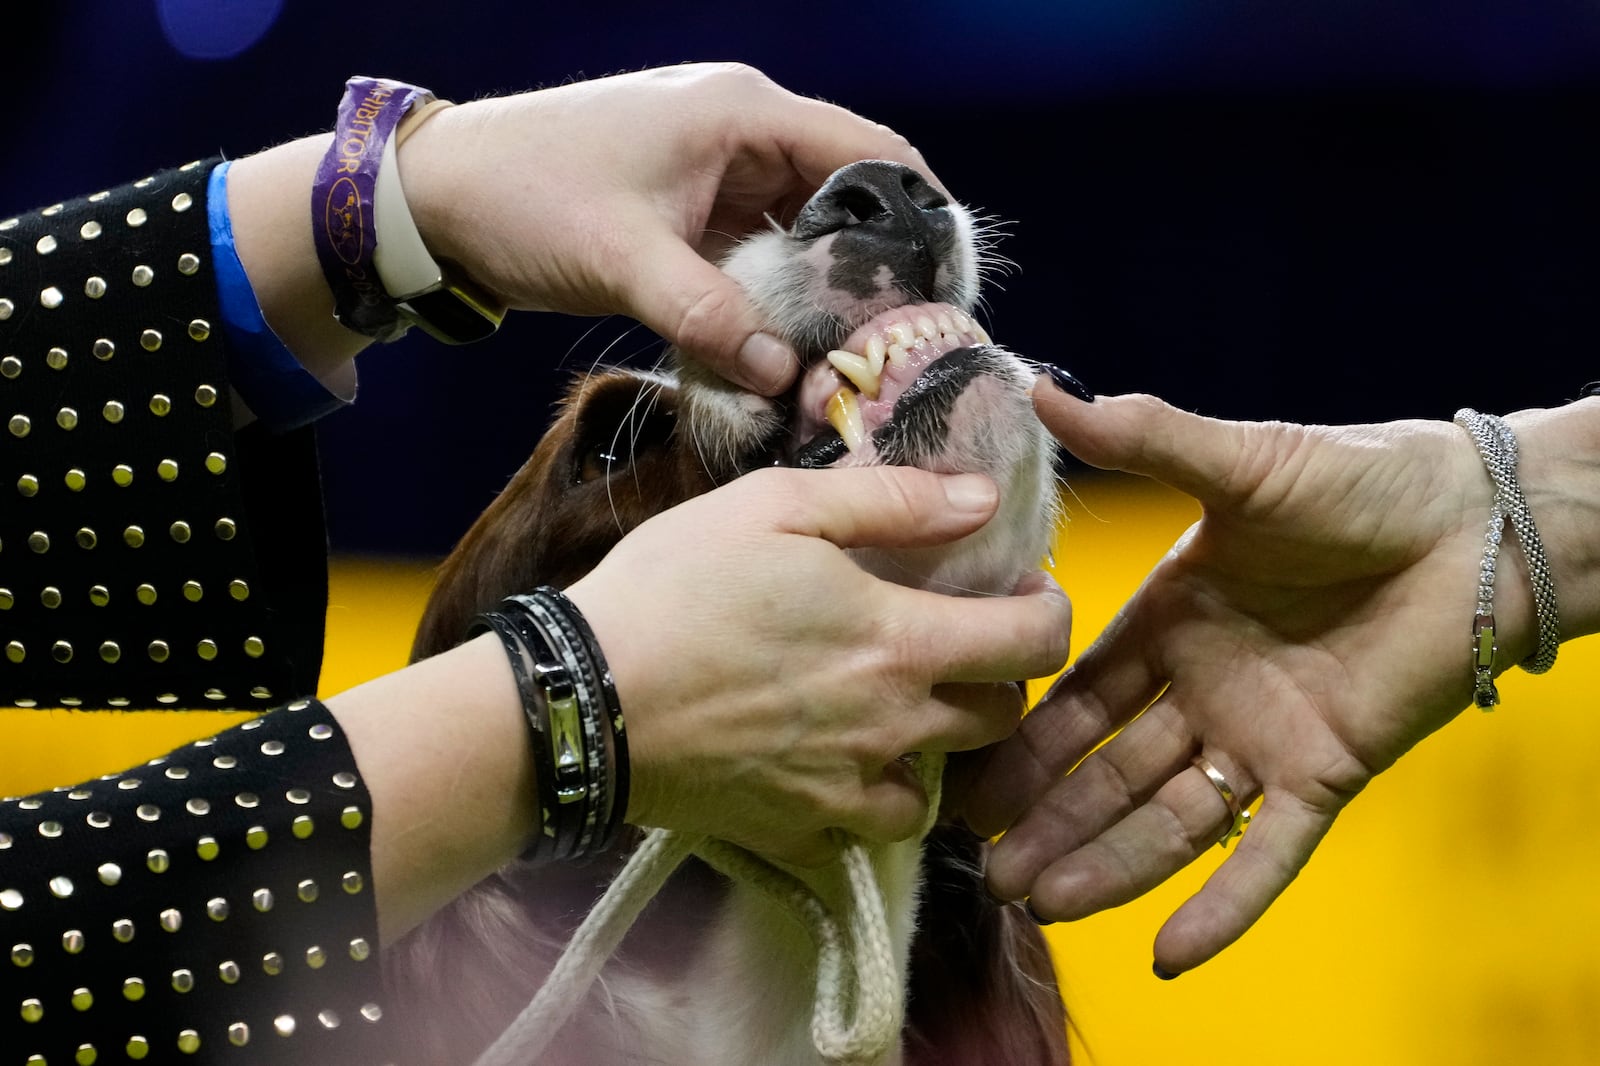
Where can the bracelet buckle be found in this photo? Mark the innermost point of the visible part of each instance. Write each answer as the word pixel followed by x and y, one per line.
pixel 1484 647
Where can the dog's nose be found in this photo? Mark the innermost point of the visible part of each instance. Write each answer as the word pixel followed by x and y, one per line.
pixel 884 214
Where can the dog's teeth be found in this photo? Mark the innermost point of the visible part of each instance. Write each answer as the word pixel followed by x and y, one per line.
pixel 858 369
pixel 897 355
pixel 981 335
pixel 902 334
pixel 844 415
pixel 926 328
pixel 945 324
pixel 875 353
pixel 964 322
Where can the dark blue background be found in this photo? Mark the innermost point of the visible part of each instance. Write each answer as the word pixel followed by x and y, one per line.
pixel 1329 211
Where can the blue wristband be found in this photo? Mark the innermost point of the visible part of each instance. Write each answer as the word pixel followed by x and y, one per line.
pixel 267 376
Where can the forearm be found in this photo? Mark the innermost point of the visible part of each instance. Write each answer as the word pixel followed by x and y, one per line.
pixel 1559 470
pixel 443 749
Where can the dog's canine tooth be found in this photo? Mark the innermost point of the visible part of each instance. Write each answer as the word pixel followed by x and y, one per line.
pixel 858 370
pixel 844 415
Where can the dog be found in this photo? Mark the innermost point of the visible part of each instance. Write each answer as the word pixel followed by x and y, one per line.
pixel 874 284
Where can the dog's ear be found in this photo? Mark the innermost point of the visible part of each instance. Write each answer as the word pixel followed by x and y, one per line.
pixel 613 457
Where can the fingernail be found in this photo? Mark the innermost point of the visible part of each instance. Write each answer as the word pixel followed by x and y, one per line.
pixel 765 364
pixel 1038 919
pixel 970 492
pixel 1156 969
pixel 1069 384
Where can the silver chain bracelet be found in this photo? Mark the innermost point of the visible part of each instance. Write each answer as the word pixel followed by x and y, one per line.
pixel 1497 446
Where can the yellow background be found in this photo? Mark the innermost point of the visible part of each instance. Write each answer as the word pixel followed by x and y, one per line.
pixel 1450 918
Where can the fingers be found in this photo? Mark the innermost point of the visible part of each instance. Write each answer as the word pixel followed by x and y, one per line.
pixel 881 506
pixel 819 138
pixel 694 305
pixel 1144 435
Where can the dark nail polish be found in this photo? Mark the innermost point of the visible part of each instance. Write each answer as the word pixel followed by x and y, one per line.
pixel 1038 919
pixel 1069 384
pixel 1156 969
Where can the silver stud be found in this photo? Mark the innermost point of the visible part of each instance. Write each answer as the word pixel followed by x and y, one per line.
pixel 22 955
pixel 99 197
pixel 137 217
pixel 159 651
pixel 28 485
pixel 306 890
pixel 171 920
pixel 9 224
pixel 206 848
pixel 128 784
pixel 137 1047
pixel 360 950
pixel 167 470
pixel 98 820
pixel 344 779
pixel 20 425
pixel 216 462
pixel 298 796
pixel 56 359
pixel 90 230
pixel 252 725
pixel 45 245
pixel 80 794
pixel 182 202
pixel 157 861
pixel 50 830
pixel 188 1041
pixel 82 999
pixel 51 298
pixel 193 591
pixel 239 590
pixel 53 210
pixel 328 1019
pixel 188 263
pixel 61 887
pixel 86 538
pixel 39 542
pixel 247 800
pixel 30 804
pixel 6 307
pixel 272 964
pixel 109 872
pixel 75 480
pixel 225 529
pixel 176 773
pixel 146 594
pixel 86 1055
pixel 372 1012
pixel 150 340
pixel 272 747
pixel 6 599
pixel 199 329
pixel 225 762
pixel 316 958
pixel 351 882
pixel 122 930
pixel 94 287
pixel 283 1025
pixel 5 256
pixel 238 1032
pixel 72 941
pixel 217 909
pixel 110 651
pixel 61 652
pixel 261 692
pixel 303 827
pixel 255 837
pixel 255 648
pixel 122 473
pixel 32 1010
pixel 197 806
pixel 228 971
pixel 160 405
pixel 103 348
pixel 261 898
pixel 67 418
pixel 10 899
pixel 148 812
pixel 182 980
pixel 133 989
pixel 10 367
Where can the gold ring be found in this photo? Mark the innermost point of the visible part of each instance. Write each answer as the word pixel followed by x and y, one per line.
pixel 1241 817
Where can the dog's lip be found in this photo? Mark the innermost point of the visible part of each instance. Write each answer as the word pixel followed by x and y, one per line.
pixel 821 381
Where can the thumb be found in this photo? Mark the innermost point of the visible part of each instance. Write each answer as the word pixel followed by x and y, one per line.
pixel 705 313
pixel 1144 435
pixel 878 506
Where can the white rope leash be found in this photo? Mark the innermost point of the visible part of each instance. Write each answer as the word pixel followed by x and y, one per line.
pixel 857 1012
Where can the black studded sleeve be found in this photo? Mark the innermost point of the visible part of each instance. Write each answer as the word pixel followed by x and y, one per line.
pixel 213 905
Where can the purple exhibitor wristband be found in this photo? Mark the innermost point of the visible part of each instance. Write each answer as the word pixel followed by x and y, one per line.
pixel 341 203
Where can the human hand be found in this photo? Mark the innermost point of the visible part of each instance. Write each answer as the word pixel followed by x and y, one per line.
pixel 615 195
pixel 771 685
pixel 1310 629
